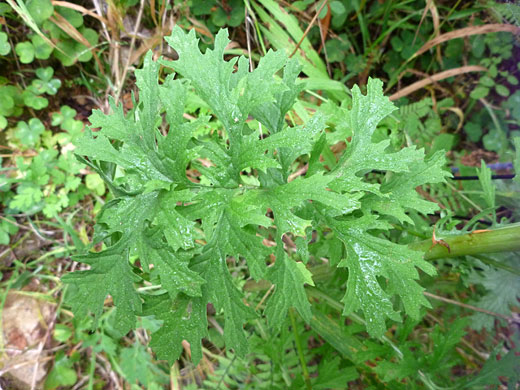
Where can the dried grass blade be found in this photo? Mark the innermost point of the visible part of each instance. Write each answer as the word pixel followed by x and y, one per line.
pixel 22 10
pixel 466 32
pixel 436 77
pixel 436 28
pixel 457 111
pixel 425 11
pixel 308 28
pixel 147 44
pixel 81 9
pixel 65 25
pixel 152 11
pixel 131 50
pixel 105 26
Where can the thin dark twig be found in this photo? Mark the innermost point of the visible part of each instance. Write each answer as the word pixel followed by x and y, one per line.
pixel 465 305
pixel 493 177
pixel 308 28
pixel 40 349
pixel 130 52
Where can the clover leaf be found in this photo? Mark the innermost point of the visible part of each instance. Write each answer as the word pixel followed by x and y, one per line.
pixel 29 133
pixel 8 227
pixel 45 74
pixel 73 17
pixel 40 10
pixel 6 102
pixel 65 119
pixel 42 50
pixel 70 51
pixel 25 51
pixel 85 53
pixel 11 101
pixel 6 105
pixel 45 82
pixel 66 52
pixel 31 98
pixel 5 47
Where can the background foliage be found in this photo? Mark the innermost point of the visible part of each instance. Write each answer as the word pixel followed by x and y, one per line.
pixel 61 60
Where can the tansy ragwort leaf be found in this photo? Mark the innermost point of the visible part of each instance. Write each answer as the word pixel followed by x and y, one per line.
pixel 289 278
pixel 399 194
pixel 184 319
pixel 110 273
pixel 178 231
pixel 362 155
pixel 369 257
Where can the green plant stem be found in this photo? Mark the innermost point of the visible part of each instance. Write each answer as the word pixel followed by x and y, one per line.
pixel 503 239
pixel 91 370
pixel 334 304
pixel 331 302
pixel 298 342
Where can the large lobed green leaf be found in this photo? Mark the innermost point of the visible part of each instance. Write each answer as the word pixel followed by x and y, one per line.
pixel 176 235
